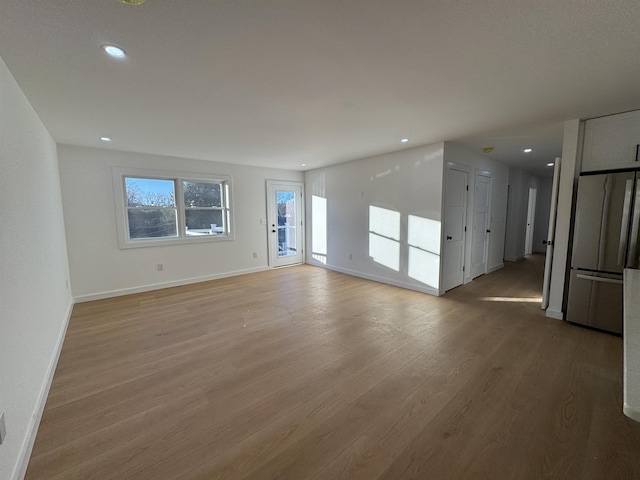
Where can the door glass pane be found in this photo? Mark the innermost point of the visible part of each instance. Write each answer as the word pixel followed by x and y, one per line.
pixel 287 245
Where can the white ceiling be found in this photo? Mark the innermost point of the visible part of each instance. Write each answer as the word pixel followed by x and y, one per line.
pixel 283 82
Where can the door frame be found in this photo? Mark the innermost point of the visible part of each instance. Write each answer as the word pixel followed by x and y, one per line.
pixel 272 240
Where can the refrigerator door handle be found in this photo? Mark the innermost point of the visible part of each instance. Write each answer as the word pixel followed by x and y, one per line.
pixel 604 222
pixel 632 262
pixel 599 279
pixel 624 225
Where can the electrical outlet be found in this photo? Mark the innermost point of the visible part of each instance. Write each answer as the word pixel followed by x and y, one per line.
pixel 160 267
pixel 3 428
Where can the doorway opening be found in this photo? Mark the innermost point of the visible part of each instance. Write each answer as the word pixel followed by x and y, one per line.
pixel 286 226
pixel 531 217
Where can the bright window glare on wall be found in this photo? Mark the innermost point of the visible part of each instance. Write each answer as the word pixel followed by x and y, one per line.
pixel 424 233
pixel 319 228
pixel 424 267
pixel 384 236
pixel 384 222
pixel 384 251
pixel 424 250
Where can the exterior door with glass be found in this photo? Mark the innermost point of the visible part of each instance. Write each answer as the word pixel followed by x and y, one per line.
pixel 285 222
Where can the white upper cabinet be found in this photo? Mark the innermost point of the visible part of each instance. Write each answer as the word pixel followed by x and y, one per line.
pixel 611 142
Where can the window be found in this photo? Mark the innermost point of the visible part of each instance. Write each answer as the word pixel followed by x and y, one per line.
pixel 158 208
pixel 151 208
pixel 204 210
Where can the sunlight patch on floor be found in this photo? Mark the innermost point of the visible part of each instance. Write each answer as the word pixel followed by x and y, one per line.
pixel 512 299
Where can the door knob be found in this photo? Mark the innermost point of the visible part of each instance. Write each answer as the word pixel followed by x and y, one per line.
pixel 449 238
pixel 488 231
pixel 273 231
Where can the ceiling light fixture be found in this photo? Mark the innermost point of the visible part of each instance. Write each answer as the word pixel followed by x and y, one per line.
pixel 132 2
pixel 105 139
pixel 404 140
pixel 115 52
pixel 303 164
pixel 550 164
pixel 487 149
pixel 528 150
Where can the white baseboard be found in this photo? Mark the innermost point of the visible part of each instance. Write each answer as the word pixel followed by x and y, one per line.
pixel 32 430
pixel 376 278
pixel 554 314
pixel 631 412
pixel 495 267
pixel 159 286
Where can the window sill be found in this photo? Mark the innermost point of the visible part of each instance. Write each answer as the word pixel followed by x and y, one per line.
pixel 162 242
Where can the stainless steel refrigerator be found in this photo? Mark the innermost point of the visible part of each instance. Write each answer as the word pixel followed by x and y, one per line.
pixel 605 242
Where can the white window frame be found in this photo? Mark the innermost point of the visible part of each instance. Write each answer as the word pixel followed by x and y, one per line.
pixel 122 223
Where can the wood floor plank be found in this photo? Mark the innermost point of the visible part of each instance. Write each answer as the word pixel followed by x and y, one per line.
pixel 259 448
pixel 362 460
pixel 305 373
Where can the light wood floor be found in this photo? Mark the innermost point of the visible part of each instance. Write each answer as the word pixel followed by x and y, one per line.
pixel 303 373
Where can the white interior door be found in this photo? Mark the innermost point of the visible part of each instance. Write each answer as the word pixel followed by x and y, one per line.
pixel 481 224
pixel 285 222
pixel 455 218
pixel 551 234
pixel 531 216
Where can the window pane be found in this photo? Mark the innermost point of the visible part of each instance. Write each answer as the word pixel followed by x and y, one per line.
pixel 150 192
pixel 152 222
pixel 202 194
pixel 286 223
pixel 201 222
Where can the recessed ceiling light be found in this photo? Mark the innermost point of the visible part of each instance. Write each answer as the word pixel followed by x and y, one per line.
pixel 528 150
pixel 404 140
pixel 303 164
pixel 115 52
pixel 105 139
pixel 550 164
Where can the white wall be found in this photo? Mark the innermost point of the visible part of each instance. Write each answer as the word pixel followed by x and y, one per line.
pixel 454 152
pixel 99 268
pixel 408 182
pixel 35 302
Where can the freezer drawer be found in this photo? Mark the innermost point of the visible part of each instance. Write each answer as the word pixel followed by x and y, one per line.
pixel 595 300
